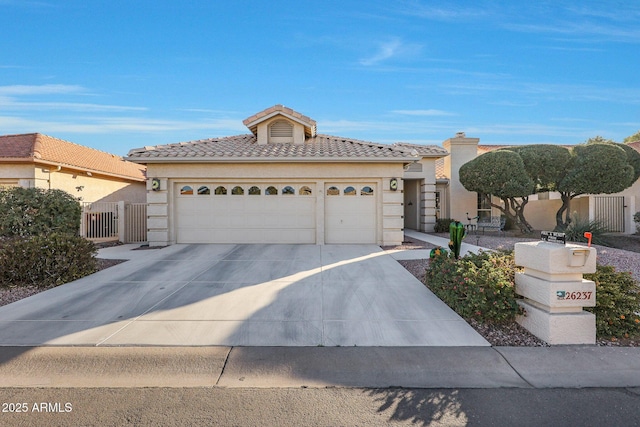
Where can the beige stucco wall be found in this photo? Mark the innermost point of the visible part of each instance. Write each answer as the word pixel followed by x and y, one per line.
pixel 94 188
pixel 20 174
pixel 89 188
pixel 161 222
pixel 461 201
pixel 541 214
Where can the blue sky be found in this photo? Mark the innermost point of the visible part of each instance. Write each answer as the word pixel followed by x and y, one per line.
pixel 116 75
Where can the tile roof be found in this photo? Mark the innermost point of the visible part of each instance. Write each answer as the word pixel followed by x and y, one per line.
pixel 422 150
pixel 39 148
pixel 635 145
pixel 440 169
pixel 246 148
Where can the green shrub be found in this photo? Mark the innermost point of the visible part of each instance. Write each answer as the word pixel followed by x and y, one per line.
pixel 477 287
pixel 34 211
pixel 442 225
pixel 44 260
pixel 617 307
pixel 578 226
pixel 636 219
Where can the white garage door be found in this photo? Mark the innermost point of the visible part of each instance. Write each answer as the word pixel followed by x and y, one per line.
pixel 245 213
pixel 350 213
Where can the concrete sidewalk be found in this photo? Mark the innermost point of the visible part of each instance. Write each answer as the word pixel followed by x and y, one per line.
pixel 409 254
pixel 288 367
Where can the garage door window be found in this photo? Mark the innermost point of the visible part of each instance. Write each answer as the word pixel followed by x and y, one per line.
pixel 271 191
pixel 186 191
pixel 237 191
pixel 366 191
pixel 220 191
pixel 204 190
pixel 305 191
pixel 288 190
pixel 254 191
pixel 349 191
pixel 333 191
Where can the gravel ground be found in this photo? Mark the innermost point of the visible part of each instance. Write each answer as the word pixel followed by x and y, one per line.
pixel 513 334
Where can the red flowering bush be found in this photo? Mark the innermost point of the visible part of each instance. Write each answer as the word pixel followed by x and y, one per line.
pixel 477 287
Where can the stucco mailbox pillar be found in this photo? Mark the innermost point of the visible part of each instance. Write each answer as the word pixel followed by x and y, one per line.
pixel 554 291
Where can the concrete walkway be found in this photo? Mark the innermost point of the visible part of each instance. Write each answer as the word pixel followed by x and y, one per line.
pixel 295 367
pixel 409 254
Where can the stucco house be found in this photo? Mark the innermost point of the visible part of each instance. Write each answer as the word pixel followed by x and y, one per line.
pixel 285 183
pixel 41 161
pixel 454 201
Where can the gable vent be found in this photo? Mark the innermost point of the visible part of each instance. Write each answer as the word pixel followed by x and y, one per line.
pixel 281 129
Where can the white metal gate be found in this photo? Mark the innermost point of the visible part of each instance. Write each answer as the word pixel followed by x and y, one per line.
pixel 609 210
pixel 99 221
pixel 135 223
pixel 104 221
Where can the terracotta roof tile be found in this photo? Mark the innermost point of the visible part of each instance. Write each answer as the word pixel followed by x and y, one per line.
pixel 245 147
pixel 38 147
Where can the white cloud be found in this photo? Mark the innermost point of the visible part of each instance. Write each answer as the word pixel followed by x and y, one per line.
pixel 393 48
pixel 40 89
pixel 102 125
pixel 423 113
pixel 385 51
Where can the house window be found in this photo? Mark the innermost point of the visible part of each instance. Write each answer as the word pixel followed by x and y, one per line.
pixel 281 131
pixel 438 214
pixel 349 191
pixel 333 191
pixel 204 190
pixel 288 190
pixel 305 191
pixel 220 191
pixel 366 191
pixel 237 191
pixel 484 207
pixel 254 191
pixel 187 190
pixel 271 191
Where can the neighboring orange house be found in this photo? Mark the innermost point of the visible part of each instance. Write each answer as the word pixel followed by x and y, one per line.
pixel 41 161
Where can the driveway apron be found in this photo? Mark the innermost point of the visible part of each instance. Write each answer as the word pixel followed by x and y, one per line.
pixel 241 295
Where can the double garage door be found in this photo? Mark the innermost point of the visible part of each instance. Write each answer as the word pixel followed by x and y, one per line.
pixel 274 213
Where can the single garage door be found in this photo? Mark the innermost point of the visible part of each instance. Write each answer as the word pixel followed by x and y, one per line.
pixel 350 213
pixel 245 213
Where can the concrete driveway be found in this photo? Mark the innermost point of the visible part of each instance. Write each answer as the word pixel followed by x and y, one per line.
pixel 241 295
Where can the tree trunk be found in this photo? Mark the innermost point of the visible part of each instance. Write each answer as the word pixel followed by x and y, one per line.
pixel 566 205
pixel 524 225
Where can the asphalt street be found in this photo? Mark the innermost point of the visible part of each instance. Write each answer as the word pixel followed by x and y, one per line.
pixel 320 407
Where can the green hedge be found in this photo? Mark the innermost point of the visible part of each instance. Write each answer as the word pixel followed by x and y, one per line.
pixel 482 287
pixel 477 287
pixel 617 303
pixel 34 211
pixel 442 225
pixel 45 260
